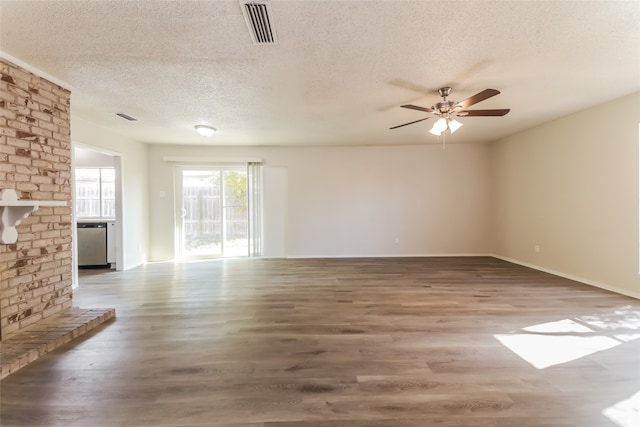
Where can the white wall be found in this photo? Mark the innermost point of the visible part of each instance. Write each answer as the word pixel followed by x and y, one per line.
pixel 86 158
pixel 571 187
pixel 275 186
pixel 135 189
pixel 356 201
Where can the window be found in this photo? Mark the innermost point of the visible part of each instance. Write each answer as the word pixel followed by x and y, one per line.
pixel 95 193
pixel 214 212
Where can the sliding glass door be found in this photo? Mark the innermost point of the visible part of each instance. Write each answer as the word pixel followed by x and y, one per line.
pixel 213 218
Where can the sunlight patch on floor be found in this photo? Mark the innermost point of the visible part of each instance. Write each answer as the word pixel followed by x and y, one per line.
pixel 543 351
pixel 552 343
pixel 624 318
pixel 625 413
pixel 565 326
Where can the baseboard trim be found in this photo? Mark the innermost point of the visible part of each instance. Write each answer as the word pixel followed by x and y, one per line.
pixel 129 267
pixel 388 256
pixel 604 286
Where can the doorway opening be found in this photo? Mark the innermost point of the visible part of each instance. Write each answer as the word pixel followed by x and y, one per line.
pixel 213 212
pixel 97 200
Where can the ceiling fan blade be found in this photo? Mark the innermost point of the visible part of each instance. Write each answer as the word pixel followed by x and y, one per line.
pixel 476 113
pixel 410 123
pixel 415 107
pixel 485 94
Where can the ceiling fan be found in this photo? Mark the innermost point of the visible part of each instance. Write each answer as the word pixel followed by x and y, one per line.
pixel 447 110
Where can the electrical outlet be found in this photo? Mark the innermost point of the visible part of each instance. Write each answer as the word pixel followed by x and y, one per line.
pixel 536 249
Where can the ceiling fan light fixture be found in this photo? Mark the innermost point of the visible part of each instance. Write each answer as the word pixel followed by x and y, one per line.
pixel 439 126
pixel 205 130
pixel 454 125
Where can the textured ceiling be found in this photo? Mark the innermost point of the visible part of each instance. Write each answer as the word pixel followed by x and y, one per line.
pixel 340 70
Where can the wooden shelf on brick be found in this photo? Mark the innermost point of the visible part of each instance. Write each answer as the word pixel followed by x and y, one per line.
pixel 13 211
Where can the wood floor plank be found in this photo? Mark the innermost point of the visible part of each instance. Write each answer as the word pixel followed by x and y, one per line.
pixel 390 342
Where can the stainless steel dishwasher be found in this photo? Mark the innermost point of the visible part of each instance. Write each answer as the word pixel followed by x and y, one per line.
pixel 92 244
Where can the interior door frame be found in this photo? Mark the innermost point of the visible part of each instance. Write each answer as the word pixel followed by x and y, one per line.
pixel 119 219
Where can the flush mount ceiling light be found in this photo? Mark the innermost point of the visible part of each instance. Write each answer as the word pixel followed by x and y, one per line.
pixel 205 130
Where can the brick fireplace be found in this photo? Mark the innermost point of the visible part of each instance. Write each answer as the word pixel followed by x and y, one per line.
pixel 35 161
pixel 36 314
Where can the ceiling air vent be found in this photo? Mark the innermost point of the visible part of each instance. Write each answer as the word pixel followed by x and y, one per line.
pixel 126 117
pixel 258 16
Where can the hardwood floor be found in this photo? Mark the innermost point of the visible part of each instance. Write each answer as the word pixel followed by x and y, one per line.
pixel 392 342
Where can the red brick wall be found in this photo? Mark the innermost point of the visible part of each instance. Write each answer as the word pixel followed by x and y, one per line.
pixel 35 160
